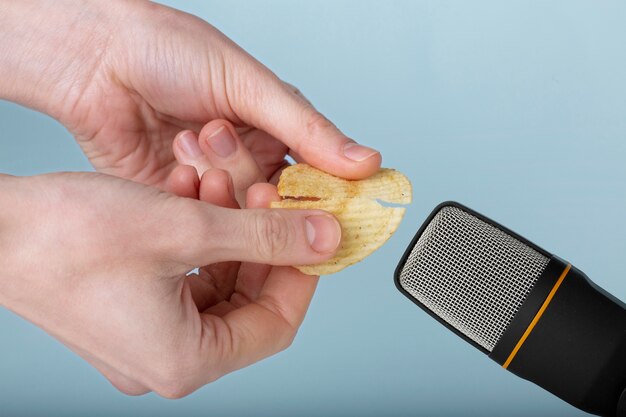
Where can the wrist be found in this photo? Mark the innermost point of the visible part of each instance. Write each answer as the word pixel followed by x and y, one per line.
pixel 48 49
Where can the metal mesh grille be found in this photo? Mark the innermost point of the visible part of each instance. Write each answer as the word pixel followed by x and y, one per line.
pixel 471 274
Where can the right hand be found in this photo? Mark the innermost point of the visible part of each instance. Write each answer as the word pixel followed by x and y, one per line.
pixel 100 263
pixel 124 77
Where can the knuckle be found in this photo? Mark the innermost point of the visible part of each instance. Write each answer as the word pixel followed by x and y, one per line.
pixel 285 330
pixel 292 87
pixel 192 223
pixel 130 390
pixel 175 377
pixel 298 94
pixel 273 235
pixel 172 384
pixel 294 90
pixel 174 391
pixel 183 374
pixel 317 124
pixel 288 338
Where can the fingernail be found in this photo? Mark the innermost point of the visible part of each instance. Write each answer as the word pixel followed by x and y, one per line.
pixel 190 146
pixel 222 142
pixel 323 233
pixel 358 153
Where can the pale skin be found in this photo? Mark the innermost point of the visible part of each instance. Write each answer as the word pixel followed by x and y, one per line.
pixel 188 133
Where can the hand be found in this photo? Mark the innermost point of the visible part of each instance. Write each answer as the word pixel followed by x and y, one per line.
pixel 217 146
pixel 126 77
pixel 100 262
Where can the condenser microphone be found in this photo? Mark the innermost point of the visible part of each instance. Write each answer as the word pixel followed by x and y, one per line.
pixel 533 313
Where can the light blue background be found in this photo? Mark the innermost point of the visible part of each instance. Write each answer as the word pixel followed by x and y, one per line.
pixel 515 108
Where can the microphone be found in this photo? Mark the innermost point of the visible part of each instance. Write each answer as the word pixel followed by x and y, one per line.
pixel 533 313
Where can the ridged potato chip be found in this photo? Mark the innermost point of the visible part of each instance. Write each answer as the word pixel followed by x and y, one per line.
pixel 302 180
pixel 366 225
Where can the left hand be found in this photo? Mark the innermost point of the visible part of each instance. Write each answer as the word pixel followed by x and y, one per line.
pixel 101 264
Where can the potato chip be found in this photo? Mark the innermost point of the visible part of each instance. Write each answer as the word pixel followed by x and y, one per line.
pixel 302 180
pixel 366 225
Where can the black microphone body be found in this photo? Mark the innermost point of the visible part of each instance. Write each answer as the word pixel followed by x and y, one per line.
pixel 567 335
pixel 576 348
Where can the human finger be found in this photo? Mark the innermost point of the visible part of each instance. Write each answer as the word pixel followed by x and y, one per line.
pixel 183 181
pixel 188 152
pixel 224 149
pixel 277 108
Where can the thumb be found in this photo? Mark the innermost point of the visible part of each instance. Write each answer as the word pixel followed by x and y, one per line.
pixel 267 236
pixel 282 111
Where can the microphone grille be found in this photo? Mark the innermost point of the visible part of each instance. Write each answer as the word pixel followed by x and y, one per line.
pixel 471 274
